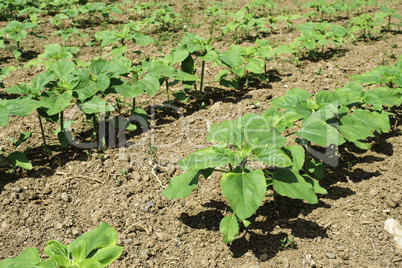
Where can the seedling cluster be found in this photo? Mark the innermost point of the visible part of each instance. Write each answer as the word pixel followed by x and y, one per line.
pixel 280 139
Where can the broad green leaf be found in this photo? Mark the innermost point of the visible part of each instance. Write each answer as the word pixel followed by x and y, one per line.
pixel 231 59
pixel 388 96
pixel 320 133
pixel 96 105
pixel 55 261
pixel 244 191
pixel 150 84
pixel 79 252
pixel 41 80
pixel 55 248
pixel 142 39
pixel 372 120
pixel 119 51
pixel 317 168
pixel 229 227
pixel 4 115
pixel 297 155
pixel 181 186
pixel 100 67
pixel 353 131
pixel 178 54
pixel 128 90
pixel 64 141
pixel 62 68
pixel 85 89
pixel 227 131
pixel 19 159
pixel 27 259
pixel 102 236
pixel 290 99
pixel 22 106
pixel 288 182
pixel 254 65
pixel 107 255
pixel 90 263
pixel 18 89
pixel 120 66
pixel 57 103
pixel 317 187
pixel 272 155
pixel 205 158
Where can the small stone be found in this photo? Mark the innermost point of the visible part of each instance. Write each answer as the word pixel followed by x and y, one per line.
pixel 16 189
pixel 108 162
pixel 75 233
pixel 330 255
pixel 148 205
pixel 145 178
pixel 4 225
pixel 162 236
pixel 47 190
pixel 263 257
pixel 142 254
pixel 126 241
pixel 65 197
pixel 135 175
pixel 204 262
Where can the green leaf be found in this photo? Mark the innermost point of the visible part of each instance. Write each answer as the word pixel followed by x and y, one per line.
pixel 231 59
pixel 27 259
pixel 142 39
pixel 290 99
pixel 272 155
pixel 181 186
pixel 102 236
pixel 64 141
pixel 297 154
pixel 90 263
pixel 353 131
pixel 244 191
pixel 79 252
pixel 85 89
pixel 96 105
pixel 21 106
pixel 56 103
pixel 24 136
pixel 288 182
pixel 150 84
pixel 229 227
pixel 55 248
pixel 19 159
pixel 317 187
pixel 317 168
pixel 178 54
pixel 254 65
pixel 4 115
pixel 205 158
pixel 62 68
pixel 119 51
pixel 107 255
pixel 319 132
pixel 128 90
pixel 55 261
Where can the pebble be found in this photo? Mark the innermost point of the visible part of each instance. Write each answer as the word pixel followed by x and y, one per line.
pixel 16 189
pixel 162 236
pixel 142 254
pixel 204 262
pixel 264 257
pixel 148 205
pixel 65 197
pixel 330 255
pixel 75 233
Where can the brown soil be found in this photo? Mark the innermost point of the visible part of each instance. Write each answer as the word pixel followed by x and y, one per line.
pixel 73 192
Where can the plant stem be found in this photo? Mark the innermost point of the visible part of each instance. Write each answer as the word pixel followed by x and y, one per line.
pixel 202 78
pixel 43 134
pixel 167 89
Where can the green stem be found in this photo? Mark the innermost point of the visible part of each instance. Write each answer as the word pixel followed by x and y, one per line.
pixel 43 134
pixel 202 78
pixel 94 124
pixel 132 111
pixel 167 89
